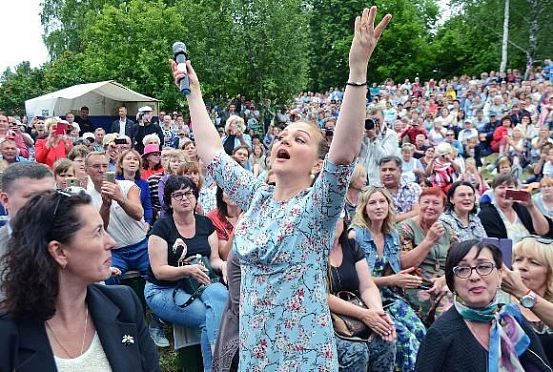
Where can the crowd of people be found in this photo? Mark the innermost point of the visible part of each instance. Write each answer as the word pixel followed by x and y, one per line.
pixel 363 229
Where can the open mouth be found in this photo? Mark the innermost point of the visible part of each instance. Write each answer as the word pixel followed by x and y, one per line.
pixel 282 154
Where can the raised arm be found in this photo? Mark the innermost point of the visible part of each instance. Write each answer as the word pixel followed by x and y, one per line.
pixel 349 128
pixel 208 142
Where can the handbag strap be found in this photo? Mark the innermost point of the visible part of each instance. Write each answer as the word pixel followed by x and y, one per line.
pixel 193 297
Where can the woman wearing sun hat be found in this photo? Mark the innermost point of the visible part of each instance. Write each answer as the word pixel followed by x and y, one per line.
pixel 151 161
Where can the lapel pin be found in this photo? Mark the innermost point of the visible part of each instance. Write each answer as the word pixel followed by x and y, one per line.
pixel 127 340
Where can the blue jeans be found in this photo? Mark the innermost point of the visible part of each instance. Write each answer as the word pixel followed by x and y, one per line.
pixel 376 355
pixel 132 257
pixel 204 312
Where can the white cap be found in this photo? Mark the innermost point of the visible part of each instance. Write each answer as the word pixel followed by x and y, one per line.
pixel 88 135
pixel 75 125
pixel 145 109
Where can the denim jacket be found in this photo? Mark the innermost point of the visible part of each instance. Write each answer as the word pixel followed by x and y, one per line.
pixel 391 247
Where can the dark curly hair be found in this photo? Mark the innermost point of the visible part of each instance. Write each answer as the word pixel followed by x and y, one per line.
pixel 175 183
pixel 30 275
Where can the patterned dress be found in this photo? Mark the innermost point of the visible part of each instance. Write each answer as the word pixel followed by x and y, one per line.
pixel 283 248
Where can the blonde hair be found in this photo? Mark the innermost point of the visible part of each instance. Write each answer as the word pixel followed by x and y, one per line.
pixel 546 181
pixel 359 171
pixel 361 218
pixel 236 120
pixel 50 121
pixel 541 252
pixel 174 154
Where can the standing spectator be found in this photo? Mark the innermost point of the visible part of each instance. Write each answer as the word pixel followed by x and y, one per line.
pixel 63 172
pixel 99 134
pixel 357 183
pixel 145 127
pixel 235 135
pixel 412 131
pixel 168 132
pixel 123 126
pixel 54 147
pixel 84 121
pixel 378 142
pixel 224 219
pixel 443 170
pixel 8 152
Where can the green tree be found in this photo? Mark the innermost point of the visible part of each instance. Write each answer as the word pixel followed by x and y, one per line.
pixel 18 86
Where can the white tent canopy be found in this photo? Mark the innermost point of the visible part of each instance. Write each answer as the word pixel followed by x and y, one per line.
pixel 102 98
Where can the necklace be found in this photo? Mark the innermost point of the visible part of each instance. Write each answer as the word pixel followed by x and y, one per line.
pixel 61 345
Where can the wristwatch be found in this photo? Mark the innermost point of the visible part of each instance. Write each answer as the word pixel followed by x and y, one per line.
pixel 529 300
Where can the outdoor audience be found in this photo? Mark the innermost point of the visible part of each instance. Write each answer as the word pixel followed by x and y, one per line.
pixel 398 214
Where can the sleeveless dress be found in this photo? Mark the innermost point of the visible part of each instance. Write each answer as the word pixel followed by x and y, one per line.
pixel 283 247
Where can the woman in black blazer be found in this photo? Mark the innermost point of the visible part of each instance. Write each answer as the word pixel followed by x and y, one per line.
pixel 55 317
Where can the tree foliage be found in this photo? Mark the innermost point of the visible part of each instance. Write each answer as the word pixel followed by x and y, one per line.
pixel 266 48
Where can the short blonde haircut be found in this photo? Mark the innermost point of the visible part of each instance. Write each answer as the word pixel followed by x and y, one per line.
pixel 236 120
pixel 50 121
pixel 361 218
pixel 541 252
pixel 359 171
pixel 546 181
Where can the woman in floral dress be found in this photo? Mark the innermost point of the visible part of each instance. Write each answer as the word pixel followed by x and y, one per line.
pixel 373 229
pixel 285 236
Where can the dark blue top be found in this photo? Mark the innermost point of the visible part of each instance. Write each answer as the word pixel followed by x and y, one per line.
pixel 144 199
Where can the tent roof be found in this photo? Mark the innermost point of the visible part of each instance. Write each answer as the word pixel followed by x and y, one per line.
pixel 109 88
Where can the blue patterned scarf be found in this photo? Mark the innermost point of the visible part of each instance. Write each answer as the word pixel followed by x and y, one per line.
pixel 507 338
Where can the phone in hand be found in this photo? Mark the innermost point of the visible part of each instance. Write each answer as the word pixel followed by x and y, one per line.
pixel 518 195
pixel 120 141
pixel 110 177
pixel 61 128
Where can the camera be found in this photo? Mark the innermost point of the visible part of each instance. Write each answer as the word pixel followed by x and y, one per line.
pixel 120 141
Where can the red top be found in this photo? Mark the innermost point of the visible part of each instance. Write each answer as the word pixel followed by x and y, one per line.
pixel 49 156
pixel 222 226
pixel 147 173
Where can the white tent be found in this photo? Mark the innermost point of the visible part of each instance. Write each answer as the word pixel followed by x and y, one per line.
pixel 102 98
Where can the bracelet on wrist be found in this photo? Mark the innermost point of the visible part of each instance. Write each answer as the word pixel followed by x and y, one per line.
pixel 356 83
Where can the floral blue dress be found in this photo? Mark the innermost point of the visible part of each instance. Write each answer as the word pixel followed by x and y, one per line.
pixel 283 248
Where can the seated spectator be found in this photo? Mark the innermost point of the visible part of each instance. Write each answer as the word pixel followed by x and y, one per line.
pixel 224 218
pixel 235 134
pixel 175 160
pixel 349 271
pixel 544 198
pixel 63 171
pixel 411 168
pixel 356 185
pixel 505 218
pixel 420 146
pixel 257 159
pixel 176 238
pixel 151 161
pixel 460 212
pixel 428 158
pixel 500 138
pixel 518 148
pixel 50 274
pixel 242 154
pixel 405 195
pixel 55 146
pixel 467 132
pixel 206 199
pixel 456 144
pixel 78 156
pixel 443 171
pixel 128 168
pixel 436 134
pixel 8 152
pixel 538 142
pixel 425 242
pixel 472 335
pixel 473 176
pixel 537 168
pixel 373 230
pixel 412 131
pixel 533 259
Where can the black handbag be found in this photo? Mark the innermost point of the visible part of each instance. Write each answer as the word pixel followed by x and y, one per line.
pixel 191 285
pixel 347 327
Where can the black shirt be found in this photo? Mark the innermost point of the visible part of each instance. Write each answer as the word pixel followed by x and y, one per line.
pixel 165 229
pixel 344 277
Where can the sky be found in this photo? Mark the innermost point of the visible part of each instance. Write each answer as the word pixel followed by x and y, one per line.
pixel 21 37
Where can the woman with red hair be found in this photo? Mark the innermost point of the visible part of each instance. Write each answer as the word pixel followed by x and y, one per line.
pixel 425 242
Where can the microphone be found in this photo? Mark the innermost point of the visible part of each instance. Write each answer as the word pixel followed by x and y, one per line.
pixel 179 53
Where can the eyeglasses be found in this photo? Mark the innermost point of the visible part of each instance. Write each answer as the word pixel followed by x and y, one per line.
pixel 539 239
pixel 464 272
pixel 60 195
pixel 179 196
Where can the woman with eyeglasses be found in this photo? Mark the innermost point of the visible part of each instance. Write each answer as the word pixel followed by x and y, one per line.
pixel 283 240
pixel 58 318
pixel 174 240
pixel 478 333
pixel 460 213
pixel 533 260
